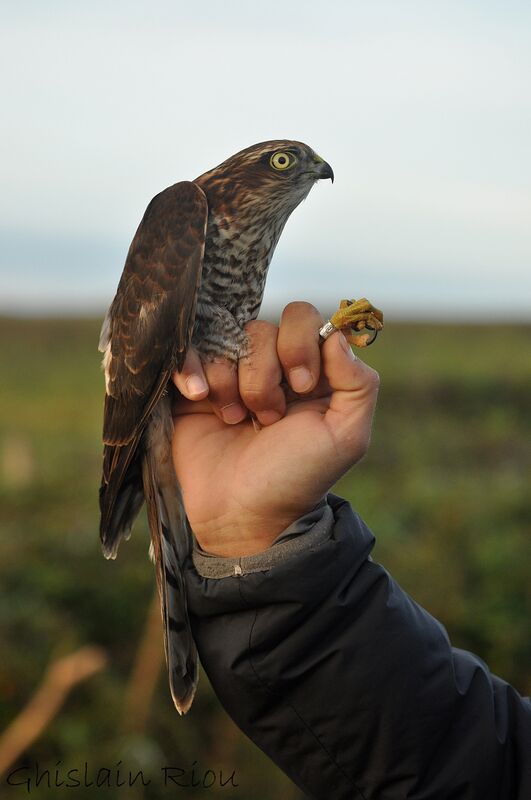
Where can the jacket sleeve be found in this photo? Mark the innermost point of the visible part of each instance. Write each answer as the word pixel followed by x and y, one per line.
pixel 348 685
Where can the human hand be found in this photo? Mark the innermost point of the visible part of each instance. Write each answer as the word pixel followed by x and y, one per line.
pixel 242 487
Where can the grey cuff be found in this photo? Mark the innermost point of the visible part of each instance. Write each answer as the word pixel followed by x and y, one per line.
pixel 305 533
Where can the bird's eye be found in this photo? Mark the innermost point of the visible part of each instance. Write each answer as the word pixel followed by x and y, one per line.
pixel 282 161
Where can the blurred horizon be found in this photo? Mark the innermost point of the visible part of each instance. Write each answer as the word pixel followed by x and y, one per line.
pixel 272 312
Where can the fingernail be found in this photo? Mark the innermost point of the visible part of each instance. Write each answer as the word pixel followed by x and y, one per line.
pixel 268 417
pixel 233 413
pixel 196 386
pixel 300 379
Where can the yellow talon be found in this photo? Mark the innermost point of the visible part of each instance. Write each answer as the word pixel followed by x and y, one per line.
pixel 358 315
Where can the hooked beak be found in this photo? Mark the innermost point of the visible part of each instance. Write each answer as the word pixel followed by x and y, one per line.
pixel 326 171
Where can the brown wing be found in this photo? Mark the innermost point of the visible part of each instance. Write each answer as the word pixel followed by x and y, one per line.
pixel 144 338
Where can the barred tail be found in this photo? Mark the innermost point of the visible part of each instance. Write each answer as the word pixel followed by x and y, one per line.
pixel 170 546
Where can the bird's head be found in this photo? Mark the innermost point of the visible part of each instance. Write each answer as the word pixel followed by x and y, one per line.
pixel 275 175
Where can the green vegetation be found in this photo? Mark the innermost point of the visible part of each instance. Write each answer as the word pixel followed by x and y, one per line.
pixel 445 488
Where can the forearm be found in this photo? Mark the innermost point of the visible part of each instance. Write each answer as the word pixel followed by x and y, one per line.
pixel 348 685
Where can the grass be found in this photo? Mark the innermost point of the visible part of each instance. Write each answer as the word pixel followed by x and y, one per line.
pixel 445 488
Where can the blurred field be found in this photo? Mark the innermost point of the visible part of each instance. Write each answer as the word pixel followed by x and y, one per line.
pixel 445 489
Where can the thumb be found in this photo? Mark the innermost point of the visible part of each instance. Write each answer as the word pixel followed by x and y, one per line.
pixel 354 392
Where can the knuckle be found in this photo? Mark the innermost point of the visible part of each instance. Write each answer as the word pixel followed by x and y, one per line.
pixel 373 378
pixel 222 378
pixel 254 396
pixel 300 307
pixel 255 390
pixel 258 328
pixel 296 353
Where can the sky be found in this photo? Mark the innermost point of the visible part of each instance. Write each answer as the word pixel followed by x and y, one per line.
pixel 422 108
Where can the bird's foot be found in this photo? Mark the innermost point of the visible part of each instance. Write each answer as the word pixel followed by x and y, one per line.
pixel 358 315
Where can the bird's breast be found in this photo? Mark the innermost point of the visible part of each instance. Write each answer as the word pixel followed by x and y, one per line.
pixel 235 267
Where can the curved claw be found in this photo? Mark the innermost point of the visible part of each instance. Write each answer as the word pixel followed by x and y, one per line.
pixel 362 339
pixel 358 315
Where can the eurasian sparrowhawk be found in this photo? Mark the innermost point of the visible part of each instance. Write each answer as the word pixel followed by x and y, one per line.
pixel 194 276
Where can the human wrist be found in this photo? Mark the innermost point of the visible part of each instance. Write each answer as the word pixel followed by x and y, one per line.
pixel 305 533
pixel 236 541
pixel 246 535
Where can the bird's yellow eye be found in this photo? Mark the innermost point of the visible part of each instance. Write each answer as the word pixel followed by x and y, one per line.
pixel 281 161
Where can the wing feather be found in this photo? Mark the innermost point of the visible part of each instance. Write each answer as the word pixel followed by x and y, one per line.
pixel 144 338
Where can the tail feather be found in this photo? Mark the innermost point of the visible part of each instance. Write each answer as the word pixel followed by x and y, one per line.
pixel 121 494
pixel 169 547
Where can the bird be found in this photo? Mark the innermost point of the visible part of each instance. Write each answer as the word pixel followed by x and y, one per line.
pixel 193 277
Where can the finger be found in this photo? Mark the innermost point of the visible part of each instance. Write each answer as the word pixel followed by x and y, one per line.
pixel 191 380
pixel 346 372
pixel 322 389
pixel 355 389
pixel 260 374
pixel 181 406
pixel 224 396
pixel 298 346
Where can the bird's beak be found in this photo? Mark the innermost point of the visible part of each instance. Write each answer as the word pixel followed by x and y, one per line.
pixel 326 171
pixel 320 169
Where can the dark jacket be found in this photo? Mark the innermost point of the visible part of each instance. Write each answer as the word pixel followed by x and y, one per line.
pixel 348 685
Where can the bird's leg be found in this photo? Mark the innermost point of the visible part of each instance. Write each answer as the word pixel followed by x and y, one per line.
pixel 358 315
pixel 222 336
pixel 217 334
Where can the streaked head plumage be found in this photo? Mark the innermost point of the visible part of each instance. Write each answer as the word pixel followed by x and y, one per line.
pixel 280 170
